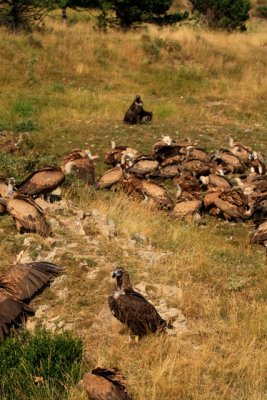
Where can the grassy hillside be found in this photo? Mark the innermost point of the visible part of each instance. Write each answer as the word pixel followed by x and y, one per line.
pixel 69 87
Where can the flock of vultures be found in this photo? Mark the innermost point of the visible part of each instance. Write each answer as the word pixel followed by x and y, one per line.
pixel 228 183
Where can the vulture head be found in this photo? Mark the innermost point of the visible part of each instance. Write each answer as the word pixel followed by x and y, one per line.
pixel 90 156
pixel 167 140
pixel 122 279
pixel 138 101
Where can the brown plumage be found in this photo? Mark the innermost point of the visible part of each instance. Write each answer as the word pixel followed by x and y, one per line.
pixel 187 181
pixel 167 172
pixel 215 181
pixel 45 180
pixel 175 160
pixel 196 166
pixel 114 156
pixel 229 159
pixel 27 215
pixel 186 209
pixel 136 114
pixel 231 203
pixel 20 282
pixel 143 165
pixel 167 148
pixel 259 236
pixel 196 153
pixel 110 178
pixel 157 193
pixel 105 384
pixel 3 193
pixel 241 151
pixel 132 309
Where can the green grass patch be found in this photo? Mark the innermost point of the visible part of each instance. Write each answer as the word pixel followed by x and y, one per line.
pixel 39 365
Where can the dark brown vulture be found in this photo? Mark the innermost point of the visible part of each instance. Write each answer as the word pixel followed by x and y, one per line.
pixel 132 309
pixel 196 167
pixel 105 384
pixel 45 180
pixel 110 178
pixel 27 215
pixel 114 156
pixel 187 181
pixel 167 148
pixel 136 114
pixel 19 283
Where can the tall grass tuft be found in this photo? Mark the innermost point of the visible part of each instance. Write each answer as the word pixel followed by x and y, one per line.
pixel 39 365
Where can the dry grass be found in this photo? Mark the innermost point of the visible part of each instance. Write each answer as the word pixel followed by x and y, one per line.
pixel 200 85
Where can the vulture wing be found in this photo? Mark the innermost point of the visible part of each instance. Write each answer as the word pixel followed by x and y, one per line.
pixel 28 215
pixel 137 313
pixel 10 309
pixel 24 280
pixel 40 182
pixel 110 177
pixel 99 387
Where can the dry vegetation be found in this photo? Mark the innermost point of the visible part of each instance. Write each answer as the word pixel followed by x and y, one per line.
pixel 69 87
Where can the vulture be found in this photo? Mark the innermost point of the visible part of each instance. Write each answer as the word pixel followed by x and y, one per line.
pixel 197 153
pixel 110 178
pixel 259 236
pixel 143 165
pixel 45 180
pixel 27 215
pixel 187 181
pixel 215 181
pixel 82 163
pixel 242 152
pixel 167 148
pixel 18 284
pixel 105 384
pixel 196 167
pixel 132 309
pixel 230 160
pixel 114 156
pixel 136 114
pixel 156 194
pixel 257 163
pixel 229 203
pixel 3 192
pixel 188 206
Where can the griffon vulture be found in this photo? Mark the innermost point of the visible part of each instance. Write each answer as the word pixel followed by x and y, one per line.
pixel 27 215
pixel 110 178
pixel 82 164
pixel 114 156
pixel 45 180
pixel 105 384
pixel 20 282
pixel 132 309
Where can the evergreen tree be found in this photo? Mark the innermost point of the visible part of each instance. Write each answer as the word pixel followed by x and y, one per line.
pixel 224 14
pixel 24 13
pixel 130 12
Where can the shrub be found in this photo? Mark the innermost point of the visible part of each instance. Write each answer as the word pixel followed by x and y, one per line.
pixel 39 365
pixel 223 14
